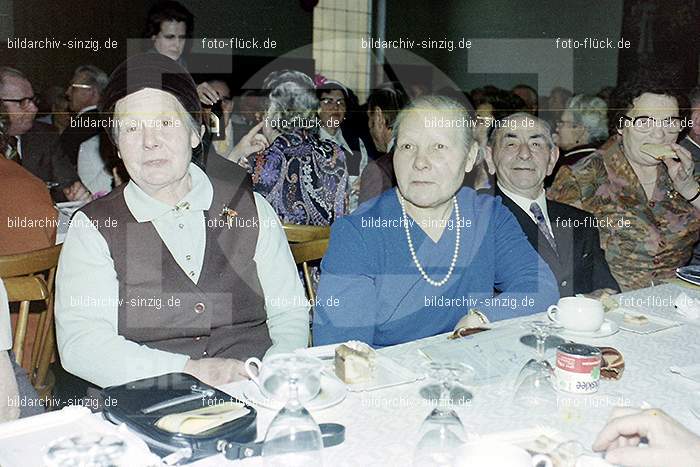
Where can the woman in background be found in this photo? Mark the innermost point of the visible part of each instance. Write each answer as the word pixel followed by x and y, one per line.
pixel 304 178
pixel 337 104
pixel 582 128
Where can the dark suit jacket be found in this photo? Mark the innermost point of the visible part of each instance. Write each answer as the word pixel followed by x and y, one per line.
pixel 580 265
pixel 80 130
pixel 377 177
pixel 42 155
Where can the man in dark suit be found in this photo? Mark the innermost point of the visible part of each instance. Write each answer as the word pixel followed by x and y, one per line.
pixel 83 94
pixel 32 144
pixel 522 153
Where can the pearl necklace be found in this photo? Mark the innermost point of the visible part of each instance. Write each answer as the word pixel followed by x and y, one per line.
pixel 412 250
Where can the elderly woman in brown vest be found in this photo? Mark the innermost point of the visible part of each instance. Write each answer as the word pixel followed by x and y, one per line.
pixel 178 270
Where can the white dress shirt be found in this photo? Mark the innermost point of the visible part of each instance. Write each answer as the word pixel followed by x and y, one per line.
pixel 92 170
pixel 353 180
pixel 87 289
pixel 524 204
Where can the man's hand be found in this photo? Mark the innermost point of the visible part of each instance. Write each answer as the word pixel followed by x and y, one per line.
pixel 207 94
pixel 77 192
pixel 216 371
pixel 670 443
pixel 681 172
pixel 252 142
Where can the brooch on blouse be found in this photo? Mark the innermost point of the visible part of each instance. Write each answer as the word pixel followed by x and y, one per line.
pixel 228 214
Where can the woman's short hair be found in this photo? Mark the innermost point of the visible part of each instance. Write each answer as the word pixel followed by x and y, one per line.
pixel 453 109
pixel 592 113
pixel 655 81
pixel 331 85
pixel 168 10
pixel 292 101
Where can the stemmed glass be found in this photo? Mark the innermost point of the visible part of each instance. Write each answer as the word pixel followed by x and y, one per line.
pixel 442 432
pixel 293 438
pixel 534 386
pixel 89 449
pixel 448 378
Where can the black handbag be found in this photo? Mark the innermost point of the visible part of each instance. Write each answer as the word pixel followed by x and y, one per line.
pixel 139 404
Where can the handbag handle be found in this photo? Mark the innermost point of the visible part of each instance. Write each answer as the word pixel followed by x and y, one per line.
pixel 332 434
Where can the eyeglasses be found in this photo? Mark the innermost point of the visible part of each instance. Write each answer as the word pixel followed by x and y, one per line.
pixel 645 124
pixel 329 101
pixel 23 101
pixel 81 86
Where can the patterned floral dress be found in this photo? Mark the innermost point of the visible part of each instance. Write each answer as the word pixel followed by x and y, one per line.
pixel 303 178
pixel 644 240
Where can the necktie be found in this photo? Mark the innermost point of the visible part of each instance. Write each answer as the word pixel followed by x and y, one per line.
pixel 542 225
pixel 13 153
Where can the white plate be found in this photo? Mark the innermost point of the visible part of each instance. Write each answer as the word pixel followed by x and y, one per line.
pixel 608 328
pixel 69 207
pixel 689 274
pixel 655 323
pixel 24 441
pixel 388 373
pixel 333 391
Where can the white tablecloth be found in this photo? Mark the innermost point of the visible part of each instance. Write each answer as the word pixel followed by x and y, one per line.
pixel 382 425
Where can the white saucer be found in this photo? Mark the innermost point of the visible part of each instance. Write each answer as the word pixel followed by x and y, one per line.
pixel 608 328
pixel 333 391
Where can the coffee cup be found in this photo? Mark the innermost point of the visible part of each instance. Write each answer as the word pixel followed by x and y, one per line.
pixel 579 314
pixel 497 455
pixel 272 375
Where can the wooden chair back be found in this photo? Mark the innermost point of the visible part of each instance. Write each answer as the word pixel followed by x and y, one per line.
pixel 308 244
pixel 306 233
pixel 29 277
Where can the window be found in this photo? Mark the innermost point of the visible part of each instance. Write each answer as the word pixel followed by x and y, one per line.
pixel 339 26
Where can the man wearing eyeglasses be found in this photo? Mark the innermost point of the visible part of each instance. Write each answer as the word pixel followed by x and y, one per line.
pixel 35 145
pixel 647 207
pixel 81 140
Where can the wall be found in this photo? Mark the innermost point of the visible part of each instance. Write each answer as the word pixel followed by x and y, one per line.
pixel 282 20
pixel 504 19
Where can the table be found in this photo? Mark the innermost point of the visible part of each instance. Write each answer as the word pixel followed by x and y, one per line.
pixel 382 426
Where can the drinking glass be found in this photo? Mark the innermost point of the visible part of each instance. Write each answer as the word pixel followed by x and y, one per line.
pixel 442 432
pixel 440 437
pixel 293 438
pixel 448 379
pixel 534 386
pixel 86 450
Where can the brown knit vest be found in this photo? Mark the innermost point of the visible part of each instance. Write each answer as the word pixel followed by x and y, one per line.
pixel 223 314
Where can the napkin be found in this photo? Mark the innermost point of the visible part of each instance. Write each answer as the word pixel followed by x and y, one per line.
pixel 200 420
pixel 686 306
pixel 691 372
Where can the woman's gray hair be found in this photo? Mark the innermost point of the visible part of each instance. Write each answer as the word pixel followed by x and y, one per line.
pixel 461 117
pixel 592 113
pixel 292 101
